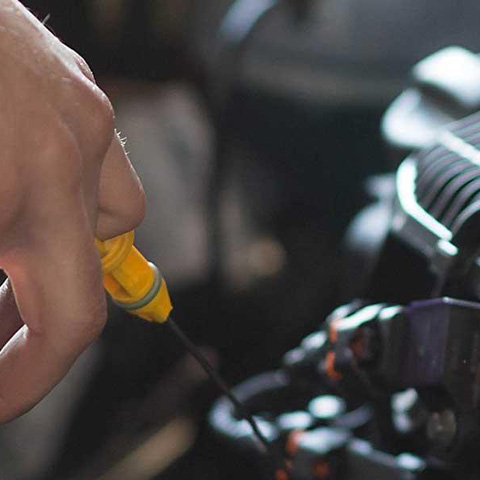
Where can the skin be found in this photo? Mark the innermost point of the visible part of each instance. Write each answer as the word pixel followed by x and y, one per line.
pixel 64 179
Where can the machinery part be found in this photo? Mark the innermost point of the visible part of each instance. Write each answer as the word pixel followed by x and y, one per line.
pixel 427 344
pixel 431 346
pixel 366 233
pixel 332 454
pixel 256 390
pixel 442 428
pixel 305 360
pixel 408 411
pixel 273 392
pixel 441 92
pixel 317 454
pixel 452 76
pixel 352 339
pixel 283 406
pixel 437 210
pixel 327 407
pixel 363 461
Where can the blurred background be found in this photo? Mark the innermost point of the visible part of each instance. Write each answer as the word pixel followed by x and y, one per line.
pixel 255 126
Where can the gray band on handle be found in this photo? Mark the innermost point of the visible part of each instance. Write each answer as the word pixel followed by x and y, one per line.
pixel 157 283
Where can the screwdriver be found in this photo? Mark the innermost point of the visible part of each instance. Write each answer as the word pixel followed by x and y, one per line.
pixel 137 286
pixel 134 284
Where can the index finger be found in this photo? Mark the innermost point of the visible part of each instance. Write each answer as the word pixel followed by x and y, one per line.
pixel 56 278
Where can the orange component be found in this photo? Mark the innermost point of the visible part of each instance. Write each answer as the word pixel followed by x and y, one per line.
pixel 357 347
pixel 330 366
pixel 321 469
pixel 292 443
pixel 332 332
pixel 281 474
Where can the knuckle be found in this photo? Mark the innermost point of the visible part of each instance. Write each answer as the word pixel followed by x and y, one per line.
pixel 103 123
pixel 105 112
pixel 83 66
pixel 91 113
pixel 79 61
pixel 87 102
pixel 101 116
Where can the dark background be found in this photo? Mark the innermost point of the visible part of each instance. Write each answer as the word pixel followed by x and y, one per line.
pixel 254 159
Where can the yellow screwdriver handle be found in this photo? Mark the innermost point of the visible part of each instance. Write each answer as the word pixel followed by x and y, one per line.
pixel 134 284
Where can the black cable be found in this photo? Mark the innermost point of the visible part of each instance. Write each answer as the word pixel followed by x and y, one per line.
pixel 243 19
pixel 222 385
pixel 234 43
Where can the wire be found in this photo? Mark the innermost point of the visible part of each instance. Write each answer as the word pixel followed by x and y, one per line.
pixel 222 385
pixel 242 20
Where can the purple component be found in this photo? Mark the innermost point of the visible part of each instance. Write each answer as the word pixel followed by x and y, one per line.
pixel 435 344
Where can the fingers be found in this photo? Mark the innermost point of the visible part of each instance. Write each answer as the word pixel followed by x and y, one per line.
pixel 56 278
pixel 120 196
pixel 121 199
pixel 57 286
pixel 63 172
pixel 60 297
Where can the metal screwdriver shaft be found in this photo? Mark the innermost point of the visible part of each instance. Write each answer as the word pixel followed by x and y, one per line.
pixel 213 374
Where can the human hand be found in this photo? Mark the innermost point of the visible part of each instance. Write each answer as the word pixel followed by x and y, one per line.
pixel 64 179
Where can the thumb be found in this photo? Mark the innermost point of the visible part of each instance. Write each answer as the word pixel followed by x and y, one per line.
pixel 121 199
